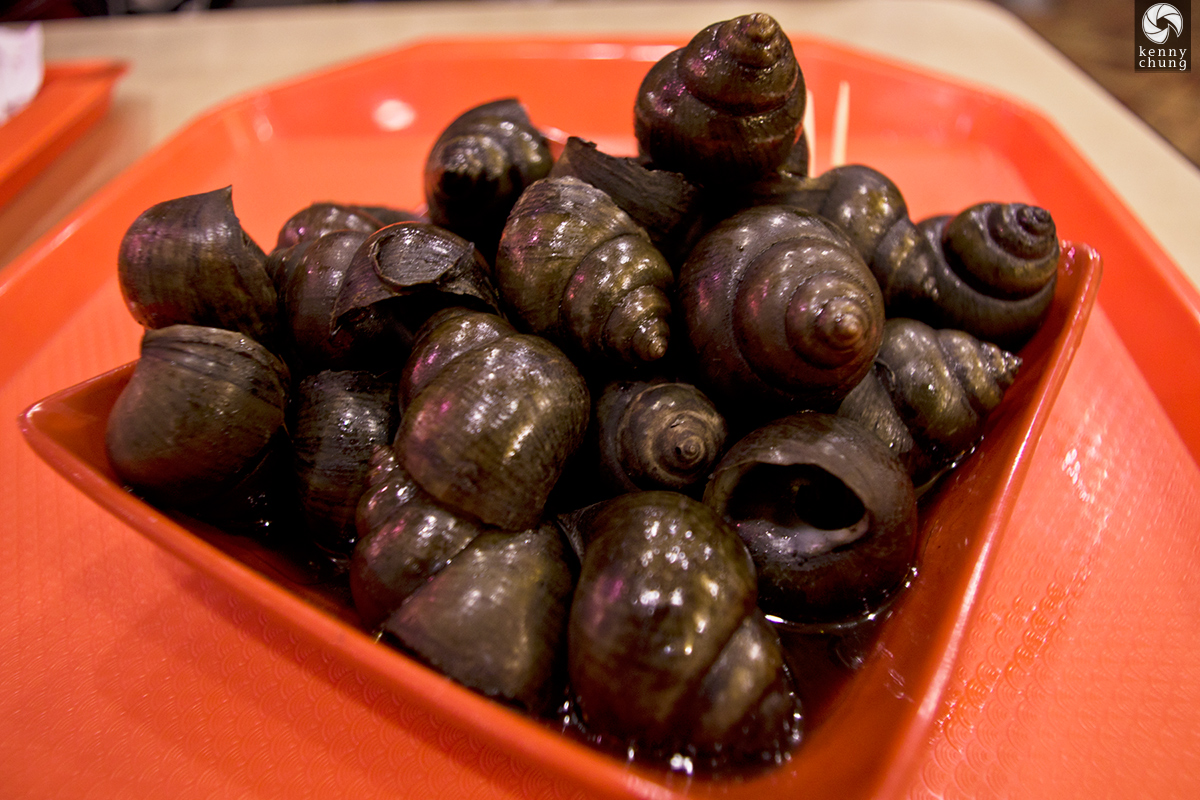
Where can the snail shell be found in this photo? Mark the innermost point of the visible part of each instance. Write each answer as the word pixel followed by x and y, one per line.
pixel 337 420
pixel 485 607
pixel 665 203
pixel 827 511
pixel 188 261
pixel 489 432
pixel 997 268
pixel 989 270
pixel 1009 249
pixel 200 411
pixel 495 617
pixel 413 268
pixel 780 310
pixel 404 537
pixel 667 651
pixel 308 293
pixel 573 267
pixel 446 335
pixel 864 203
pixel 727 107
pixel 657 434
pixel 479 166
pixel 930 393
pixel 316 220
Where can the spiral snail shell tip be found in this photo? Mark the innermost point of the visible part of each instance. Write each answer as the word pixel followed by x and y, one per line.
pixel 841 324
pixel 1035 218
pixel 747 39
pixel 467 162
pixel 1006 367
pixel 831 328
pixel 689 450
pixel 650 342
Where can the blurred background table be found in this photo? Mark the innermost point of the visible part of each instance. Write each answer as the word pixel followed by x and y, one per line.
pixel 75 719
pixel 184 63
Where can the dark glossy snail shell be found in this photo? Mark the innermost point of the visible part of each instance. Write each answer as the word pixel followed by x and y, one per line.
pixel 488 608
pixel 479 166
pixel 573 267
pixel 657 434
pixel 667 651
pixel 781 311
pixel 666 204
pixel 827 511
pixel 373 339
pixel 446 335
pixel 930 394
pixel 989 270
pixel 408 270
pixel 308 287
pixel 201 410
pixel 934 271
pixel 404 537
pixel 727 107
pixel 495 617
pixel 997 269
pixel 489 431
pixel 337 419
pixel 864 203
pixel 188 261
pixel 316 220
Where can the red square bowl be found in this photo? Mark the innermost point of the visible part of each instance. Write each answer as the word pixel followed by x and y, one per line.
pixel 360 134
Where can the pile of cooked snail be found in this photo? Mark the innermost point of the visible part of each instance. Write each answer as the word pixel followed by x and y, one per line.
pixel 589 434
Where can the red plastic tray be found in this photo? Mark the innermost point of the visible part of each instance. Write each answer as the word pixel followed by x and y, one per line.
pixel 73 97
pixel 321 138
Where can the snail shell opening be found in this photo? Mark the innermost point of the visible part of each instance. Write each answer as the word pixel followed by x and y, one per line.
pixel 827 511
pixel 817 510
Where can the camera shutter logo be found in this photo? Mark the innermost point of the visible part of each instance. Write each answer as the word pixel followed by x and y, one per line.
pixel 1162 36
pixel 1160 20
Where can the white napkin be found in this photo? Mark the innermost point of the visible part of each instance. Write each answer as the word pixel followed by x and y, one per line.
pixel 21 67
